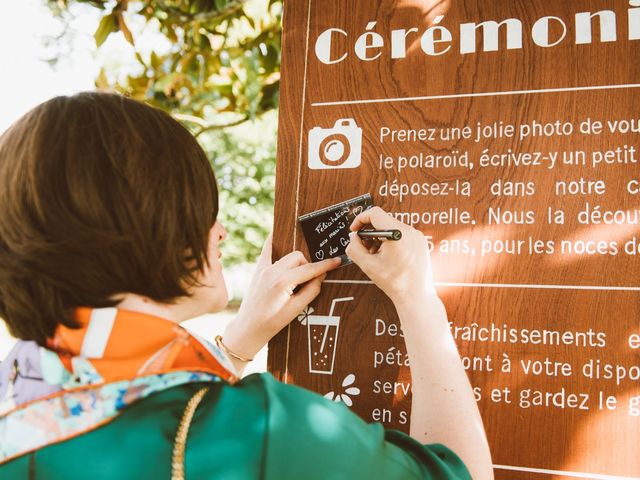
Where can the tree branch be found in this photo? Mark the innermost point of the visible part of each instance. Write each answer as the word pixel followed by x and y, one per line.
pixel 220 126
pixel 186 17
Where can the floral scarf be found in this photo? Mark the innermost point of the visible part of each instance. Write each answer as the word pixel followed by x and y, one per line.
pixel 85 377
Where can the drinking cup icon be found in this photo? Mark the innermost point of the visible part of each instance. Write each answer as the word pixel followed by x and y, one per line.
pixel 322 333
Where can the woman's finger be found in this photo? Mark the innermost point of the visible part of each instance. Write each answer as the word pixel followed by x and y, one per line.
pixel 372 245
pixel 376 217
pixel 309 271
pixel 358 252
pixel 307 293
pixel 292 260
pixel 265 258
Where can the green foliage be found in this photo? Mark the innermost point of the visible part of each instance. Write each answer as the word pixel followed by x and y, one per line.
pixel 224 56
pixel 243 160
pixel 217 65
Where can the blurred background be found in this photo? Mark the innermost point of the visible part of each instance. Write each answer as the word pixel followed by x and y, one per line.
pixel 214 65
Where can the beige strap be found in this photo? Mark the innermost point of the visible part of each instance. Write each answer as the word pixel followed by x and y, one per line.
pixel 180 443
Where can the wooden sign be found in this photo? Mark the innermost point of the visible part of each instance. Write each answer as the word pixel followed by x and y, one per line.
pixel 509 134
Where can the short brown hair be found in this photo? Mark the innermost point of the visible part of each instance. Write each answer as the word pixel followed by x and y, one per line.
pixel 99 195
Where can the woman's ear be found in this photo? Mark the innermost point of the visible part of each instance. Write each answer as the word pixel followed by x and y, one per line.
pixel 217 234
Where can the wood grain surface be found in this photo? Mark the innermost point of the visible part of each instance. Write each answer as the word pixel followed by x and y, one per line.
pixel 573 300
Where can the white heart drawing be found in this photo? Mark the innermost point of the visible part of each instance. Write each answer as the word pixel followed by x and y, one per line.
pixel 320 255
pixel 358 210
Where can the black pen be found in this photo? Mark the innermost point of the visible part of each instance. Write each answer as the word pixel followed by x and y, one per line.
pixel 380 234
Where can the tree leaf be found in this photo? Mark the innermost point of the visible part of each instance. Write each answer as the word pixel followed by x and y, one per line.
pixel 102 82
pixel 107 25
pixel 156 61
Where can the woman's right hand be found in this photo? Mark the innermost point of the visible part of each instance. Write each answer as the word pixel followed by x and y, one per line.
pixel 401 269
pixel 443 407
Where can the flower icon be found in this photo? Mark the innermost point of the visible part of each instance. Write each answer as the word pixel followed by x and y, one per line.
pixel 302 316
pixel 348 392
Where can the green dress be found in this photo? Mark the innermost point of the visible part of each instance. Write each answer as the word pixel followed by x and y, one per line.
pixel 255 429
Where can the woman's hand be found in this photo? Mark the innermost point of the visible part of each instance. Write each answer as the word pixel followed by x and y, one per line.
pixel 270 302
pixel 401 269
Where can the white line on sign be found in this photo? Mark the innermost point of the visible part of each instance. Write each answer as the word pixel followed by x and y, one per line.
pixel 507 285
pixel 295 230
pixel 596 476
pixel 478 94
pixel 304 95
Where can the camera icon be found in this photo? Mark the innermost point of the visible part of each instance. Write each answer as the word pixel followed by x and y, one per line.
pixel 337 147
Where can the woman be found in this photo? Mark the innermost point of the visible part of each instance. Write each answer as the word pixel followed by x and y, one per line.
pixel 109 239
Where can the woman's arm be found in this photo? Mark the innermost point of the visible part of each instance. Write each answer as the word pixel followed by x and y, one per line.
pixel 443 409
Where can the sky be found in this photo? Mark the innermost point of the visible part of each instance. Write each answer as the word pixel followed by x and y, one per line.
pixel 27 79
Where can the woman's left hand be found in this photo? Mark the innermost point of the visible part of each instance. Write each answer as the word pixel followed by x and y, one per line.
pixel 270 303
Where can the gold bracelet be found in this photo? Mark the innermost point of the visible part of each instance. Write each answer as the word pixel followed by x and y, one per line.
pixel 224 348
